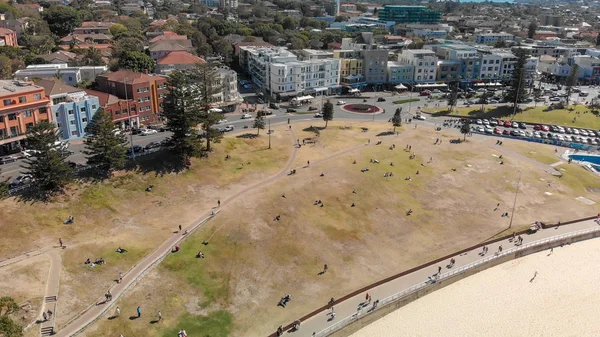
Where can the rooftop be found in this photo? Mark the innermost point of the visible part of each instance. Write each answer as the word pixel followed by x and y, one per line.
pixel 180 57
pixel 103 97
pixel 130 76
pixel 55 87
pixel 10 87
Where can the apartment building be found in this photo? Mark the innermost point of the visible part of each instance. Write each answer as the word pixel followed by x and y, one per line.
pixel 374 60
pixel 229 97
pixel 399 73
pixel 556 51
pixel 177 61
pixel 72 108
pixel 8 37
pixel 493 38
pixel 69 75
pixel 507 62
pixel 409 14
pixel 490 66
pixel 424 61
pixel 255 60
pixel 23 105
pixel 93 27
pixel 304 77
pixel 351 67
pixel 448 70
pixel 468 57
pixel 147 91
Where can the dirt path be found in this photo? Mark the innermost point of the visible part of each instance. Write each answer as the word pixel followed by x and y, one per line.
pixel 547 168
pixel 51 297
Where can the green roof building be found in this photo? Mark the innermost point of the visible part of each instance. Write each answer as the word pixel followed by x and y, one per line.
pixel 410 14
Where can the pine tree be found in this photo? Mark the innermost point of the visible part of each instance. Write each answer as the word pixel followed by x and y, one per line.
pixel 183 111
pixel 452 98
pixel 327 112
pixel 48 168
pixel 397 119
pixel 571 81
pixel 259 122
pixel 104 146
pixel 531 30
pixel 517 92
pixel 208 82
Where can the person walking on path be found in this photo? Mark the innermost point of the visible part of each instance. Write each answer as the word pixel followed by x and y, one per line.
pixel 117 312
pixel 324 268
pixel 45 316
pixel 139 312
pixel 180 228
pixel 367 297
pixel 218 203
pixel 439 269
pixel 120 278
pixel 159 315
pixel 60 242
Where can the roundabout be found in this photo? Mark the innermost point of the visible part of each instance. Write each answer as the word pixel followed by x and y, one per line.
pixel 361 108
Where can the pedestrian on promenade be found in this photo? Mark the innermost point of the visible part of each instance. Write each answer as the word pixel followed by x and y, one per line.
pixel 439 269
pixel 45 316
pixel 120 277
pixel 324 267
pixel 180 228
pixel 49 314
pixel 117 312
pixel 367 297
pixel 218 203
pixel 60 242
pixel 308 163
pixel 159 315
pixel 139 312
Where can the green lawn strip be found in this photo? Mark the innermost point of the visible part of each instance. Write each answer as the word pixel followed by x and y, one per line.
pixel 215 324
pixel 402 101
pixel 580 116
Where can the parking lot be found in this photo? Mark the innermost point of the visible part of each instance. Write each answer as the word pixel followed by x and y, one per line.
pixel 539 131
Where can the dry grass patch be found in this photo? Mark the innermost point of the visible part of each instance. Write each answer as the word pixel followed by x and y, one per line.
pixel 252 260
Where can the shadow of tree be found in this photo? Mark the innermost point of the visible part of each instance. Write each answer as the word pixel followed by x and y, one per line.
pixel 247 135
pixel 385 133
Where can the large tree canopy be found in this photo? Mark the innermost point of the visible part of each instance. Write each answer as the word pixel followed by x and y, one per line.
pixel 62 20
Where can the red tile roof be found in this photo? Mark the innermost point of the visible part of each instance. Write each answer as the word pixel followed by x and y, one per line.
pixel 103 97
pixel 180 57
pixel 6 31
pixel 131 76
pixel 168 35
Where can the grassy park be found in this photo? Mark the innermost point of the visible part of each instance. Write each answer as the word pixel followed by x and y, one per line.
pixel 408 100
pixel 582 115
pixel 251 260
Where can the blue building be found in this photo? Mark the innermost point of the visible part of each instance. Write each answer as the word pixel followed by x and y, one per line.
pixel 72 108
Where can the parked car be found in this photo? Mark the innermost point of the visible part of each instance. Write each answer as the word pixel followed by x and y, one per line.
pixel 267 112
pixel 29 153
pixel 274 106
pixel 522 126
pixel 425 93
pixel 229 128
pixel 420 117
pixel 479 122
pixel 222 121
pixel 576 132
pixel 488 129
pixel 537 127
pixel 486 122
pixel 545 128
pixel 507 124
pixel 246 116
pixel 381 99
pixel 318 114
pixel 554 99
pixel 136 149
pixel 497 131
pixel 147 132
pixel 493 122
pixel 506 132
pixel 8 159
pixel 23 179
pixel 153 145
pixel 514 125
pixel 291 110
pixel 160 128
pixel 312 108
pixel 341 102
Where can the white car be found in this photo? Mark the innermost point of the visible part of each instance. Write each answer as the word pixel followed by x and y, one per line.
pixel 222 121
pixel 246 116
pixel 29 153
pixel 489 129
pixel 341 102
pixel 486 122
pixel 318 115
pixel 479 121
pixel 420 117
pixel 229 128
pixel 146 132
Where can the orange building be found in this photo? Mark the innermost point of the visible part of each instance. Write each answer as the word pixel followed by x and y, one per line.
pixel 9 37
pixel 22 104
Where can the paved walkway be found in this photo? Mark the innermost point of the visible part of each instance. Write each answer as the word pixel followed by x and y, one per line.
pixel 51 297
pixel 349 307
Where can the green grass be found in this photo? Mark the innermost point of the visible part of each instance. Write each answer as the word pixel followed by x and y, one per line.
pixel 306 112
pixel 216 324
pixel 402 101
pixel 583 118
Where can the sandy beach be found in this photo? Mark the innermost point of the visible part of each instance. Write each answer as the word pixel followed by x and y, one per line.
pixel 506 300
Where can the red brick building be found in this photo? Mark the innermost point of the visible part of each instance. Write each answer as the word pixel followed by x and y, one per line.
pixel 145 93
pixel 22 104
pixel 122 111
pixel 8 37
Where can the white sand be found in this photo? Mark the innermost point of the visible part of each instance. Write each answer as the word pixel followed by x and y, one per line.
pixel 563 300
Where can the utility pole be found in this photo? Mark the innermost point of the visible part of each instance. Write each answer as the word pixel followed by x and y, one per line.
pixel 515 202
pixel 269 134
pixel 129 117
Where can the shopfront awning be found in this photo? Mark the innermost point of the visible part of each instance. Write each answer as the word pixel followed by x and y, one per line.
pixel 289 93
pixel 401 87
pixel 302 98
pixel 353 77
pixel 431 85
pixel 352 91
pixel 320 89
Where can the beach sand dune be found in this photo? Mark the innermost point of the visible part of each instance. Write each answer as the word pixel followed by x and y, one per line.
pixel 562 300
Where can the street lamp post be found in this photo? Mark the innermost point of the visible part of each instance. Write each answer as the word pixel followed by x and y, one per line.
pixel 269 134
pixel 515 201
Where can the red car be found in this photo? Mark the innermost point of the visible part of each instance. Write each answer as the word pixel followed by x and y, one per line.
pixel 537 127
pixel 506 132
pixel 497 131
pixel 425 93
pixel 507 124
pixel 545 128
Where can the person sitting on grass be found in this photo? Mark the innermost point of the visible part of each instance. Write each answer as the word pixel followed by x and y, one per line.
pixel 200 255
pixel 121 250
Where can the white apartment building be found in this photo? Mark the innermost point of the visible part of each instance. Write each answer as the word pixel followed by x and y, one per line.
pixel 399 72
pixel 229 96
pixel 493 38
pixel 424 61
pixel 508 65
pixel 228 3
pixel 490 66
pixel 256 61
pixel 555 51
pixel 303 77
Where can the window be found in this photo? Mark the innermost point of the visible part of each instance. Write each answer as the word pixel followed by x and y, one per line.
pixel 22 99
pixel 14 130
pixel 93 106
pixel 43 110
pixel 37 97
pixel 27 113
pixel 58 125
pixel 71 112
pixel 117 113
pixel 28 126
pixel 72 122
pixel 124 111
pixel 7 102
pixel 12 117
pixel 73 133
pixel 82 109
pixel 57 115
pixel 70 78
pixel 84 120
